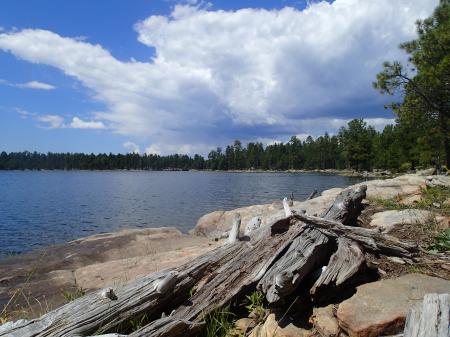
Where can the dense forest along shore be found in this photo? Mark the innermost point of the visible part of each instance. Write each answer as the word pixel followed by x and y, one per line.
pixel 357 147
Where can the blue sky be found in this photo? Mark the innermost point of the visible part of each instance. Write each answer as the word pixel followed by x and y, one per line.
pixel 170 76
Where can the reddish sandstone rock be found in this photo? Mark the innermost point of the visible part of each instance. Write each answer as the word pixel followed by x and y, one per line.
pixel 380 308
pixel 325 322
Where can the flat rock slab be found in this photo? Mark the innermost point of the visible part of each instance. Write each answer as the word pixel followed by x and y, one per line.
pixel 390 220
pixel 380 308
pixel 390 188
pixel 100 275
pixel 92 263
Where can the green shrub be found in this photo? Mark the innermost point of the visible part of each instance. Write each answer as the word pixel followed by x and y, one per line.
pixel 256 303
pixel 441 242
pixel 405 167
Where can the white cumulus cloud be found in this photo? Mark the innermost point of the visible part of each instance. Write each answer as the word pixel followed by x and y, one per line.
pixel 219 75
pixel 131 147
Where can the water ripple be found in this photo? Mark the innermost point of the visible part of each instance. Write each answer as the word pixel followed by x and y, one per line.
pixel 55 207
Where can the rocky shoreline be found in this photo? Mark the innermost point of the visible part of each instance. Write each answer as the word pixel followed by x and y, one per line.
pixel 32 283
pixel 344 172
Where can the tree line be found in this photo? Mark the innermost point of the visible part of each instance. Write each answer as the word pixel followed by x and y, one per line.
pixel 80 161
pixel 420 136
pixel 357 146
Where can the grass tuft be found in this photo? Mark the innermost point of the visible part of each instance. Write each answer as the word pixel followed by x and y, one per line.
pixel 219 323
pixel 256 304
pixel 138 322
pixel 73 295
pixel 4 318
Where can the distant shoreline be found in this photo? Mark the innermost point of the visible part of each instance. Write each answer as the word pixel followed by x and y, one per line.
pixel 346 173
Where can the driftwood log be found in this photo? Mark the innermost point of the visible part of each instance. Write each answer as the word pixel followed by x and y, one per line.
pixel 274 259
pixel 371 239
pixel 431 319
pixel 311 195
pixel 346 262
pixel 310 249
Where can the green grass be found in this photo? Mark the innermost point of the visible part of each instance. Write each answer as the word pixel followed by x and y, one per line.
pixel 138 322
pixel 441 242
pixel 430 197
pixel 7 312
pixel 192 292
pixel 219 323
pixel 4 318
pixel 413 269
pixel 390 204
pixel 73 295
pixel 435 195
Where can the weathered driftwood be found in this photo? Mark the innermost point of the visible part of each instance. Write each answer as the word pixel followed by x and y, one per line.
pixel 345 263
pixel 308 251
pixel 234 232
pixel 252 225
pixel 287 209
pixel 432 319
pixel 168 326
pixel 347 206
pixel 251 261
pixel 110 335
pixel 280 260
pixel 311 249
pixel 312 195
pixel 371 239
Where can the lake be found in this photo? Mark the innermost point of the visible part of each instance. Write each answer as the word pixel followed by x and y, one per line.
pixel 39 208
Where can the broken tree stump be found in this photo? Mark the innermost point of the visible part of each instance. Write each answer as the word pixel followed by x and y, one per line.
pixel 307 251
pixel 344 264
pixel 347 206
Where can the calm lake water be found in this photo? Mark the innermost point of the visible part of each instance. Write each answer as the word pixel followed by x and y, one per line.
pixel 47 207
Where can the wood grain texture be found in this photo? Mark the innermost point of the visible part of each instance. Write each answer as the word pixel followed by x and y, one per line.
pixel 432 319
pixel 307 252
pixel 371 239
pixel 347 206
pixel 346 262
pixel 251 261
